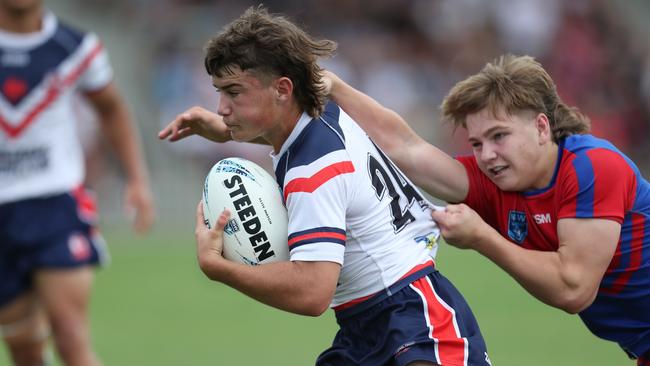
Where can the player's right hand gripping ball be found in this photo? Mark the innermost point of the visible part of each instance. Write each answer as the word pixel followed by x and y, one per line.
pixel 257 230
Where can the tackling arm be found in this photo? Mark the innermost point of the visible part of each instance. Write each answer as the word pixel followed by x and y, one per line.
pixel 426 165
pixel 567 278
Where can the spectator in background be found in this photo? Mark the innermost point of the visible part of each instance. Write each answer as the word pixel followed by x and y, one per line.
pixel 406 54
pixel 49 241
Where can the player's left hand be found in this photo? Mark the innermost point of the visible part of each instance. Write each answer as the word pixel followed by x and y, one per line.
pixel 461 226
pixel 209 241
pixel 138 202
pixel 196 121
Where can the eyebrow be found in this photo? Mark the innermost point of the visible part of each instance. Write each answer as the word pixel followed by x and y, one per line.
pixel 227 86
pixel 486 133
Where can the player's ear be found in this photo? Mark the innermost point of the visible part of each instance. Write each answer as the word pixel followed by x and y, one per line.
pixel 283 89
pixel 543 127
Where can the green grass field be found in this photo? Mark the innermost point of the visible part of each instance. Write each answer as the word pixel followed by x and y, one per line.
pixel 152 306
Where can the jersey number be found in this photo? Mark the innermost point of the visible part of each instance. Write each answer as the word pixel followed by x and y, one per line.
pixel 382 182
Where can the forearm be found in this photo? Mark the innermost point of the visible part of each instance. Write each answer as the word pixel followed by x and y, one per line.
pixel 288 286
pixel 383 125
pixel 549 276
pixel 124 138
pixel 425 165
pixel 118 128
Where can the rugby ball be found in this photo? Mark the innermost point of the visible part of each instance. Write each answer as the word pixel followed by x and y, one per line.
pixel 257 230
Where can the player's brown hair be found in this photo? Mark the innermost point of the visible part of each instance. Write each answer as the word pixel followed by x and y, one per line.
pixel 268 45
pixel 513 84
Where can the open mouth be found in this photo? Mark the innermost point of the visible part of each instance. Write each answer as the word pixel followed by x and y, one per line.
pixel 498 170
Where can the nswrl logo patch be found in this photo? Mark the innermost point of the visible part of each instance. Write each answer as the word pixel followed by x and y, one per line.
pixel 231 227
pixel 517 226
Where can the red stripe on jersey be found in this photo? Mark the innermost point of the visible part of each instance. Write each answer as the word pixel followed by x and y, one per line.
pixel 317 235
pixel 442 320
pixel 418 267
pixel 321 177
pixel 362 299
pixel 611 198
pixel 352 302
pixel 84 64
pixel 636 253
pixel 50 96
pixel 610 185
pixel 616 259
pixel 52 93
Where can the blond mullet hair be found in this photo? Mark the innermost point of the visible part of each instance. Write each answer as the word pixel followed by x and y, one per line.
pixel 513 84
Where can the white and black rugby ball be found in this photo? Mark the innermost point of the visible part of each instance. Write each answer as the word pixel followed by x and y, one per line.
pixel 257 230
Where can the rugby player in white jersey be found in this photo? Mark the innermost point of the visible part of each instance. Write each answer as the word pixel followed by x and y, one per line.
pixel 360 234
pixel 48 237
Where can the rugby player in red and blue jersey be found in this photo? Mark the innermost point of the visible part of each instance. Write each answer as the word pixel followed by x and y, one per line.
pixel 564 213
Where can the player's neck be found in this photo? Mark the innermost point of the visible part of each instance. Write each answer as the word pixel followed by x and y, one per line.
pixel 26 21
pixel 549 163
pixel 278 137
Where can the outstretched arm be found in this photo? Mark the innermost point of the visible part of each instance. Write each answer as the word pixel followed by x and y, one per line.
pixel 199 121
pixel 196 121
pixel 427 166
pixel 567 278
pixel 305 288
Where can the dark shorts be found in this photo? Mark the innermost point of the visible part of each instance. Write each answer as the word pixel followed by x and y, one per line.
pixel 427 320
pixel 51 232
pixel 623 318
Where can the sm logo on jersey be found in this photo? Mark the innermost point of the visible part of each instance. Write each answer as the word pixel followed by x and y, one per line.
pixel 517 226
pixel 542 218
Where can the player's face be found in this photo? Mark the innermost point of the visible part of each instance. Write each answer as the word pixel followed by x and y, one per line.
pixel 511 149
pixel 247 105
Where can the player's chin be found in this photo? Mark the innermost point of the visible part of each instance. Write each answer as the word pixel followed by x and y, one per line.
pixel 241 136
pixel 508 185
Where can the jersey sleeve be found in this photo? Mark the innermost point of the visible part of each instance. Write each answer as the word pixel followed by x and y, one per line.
pixel 96 70
pixel 317 196
pixel 597 183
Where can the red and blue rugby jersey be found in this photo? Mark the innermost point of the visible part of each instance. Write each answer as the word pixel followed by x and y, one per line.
pixel 592 179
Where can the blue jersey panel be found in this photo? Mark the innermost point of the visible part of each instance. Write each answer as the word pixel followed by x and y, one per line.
pixel 37 63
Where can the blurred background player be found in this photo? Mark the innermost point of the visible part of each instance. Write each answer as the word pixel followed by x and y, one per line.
pixel 48 239
pixel 564 213
pixel 360 234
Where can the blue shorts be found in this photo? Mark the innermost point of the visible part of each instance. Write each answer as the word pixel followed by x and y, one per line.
pixel 427 320
pixel 623 318
pixel 50 232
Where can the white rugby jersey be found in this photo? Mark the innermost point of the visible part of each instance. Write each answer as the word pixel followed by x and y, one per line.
pixel 347 203
pixel 40 152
